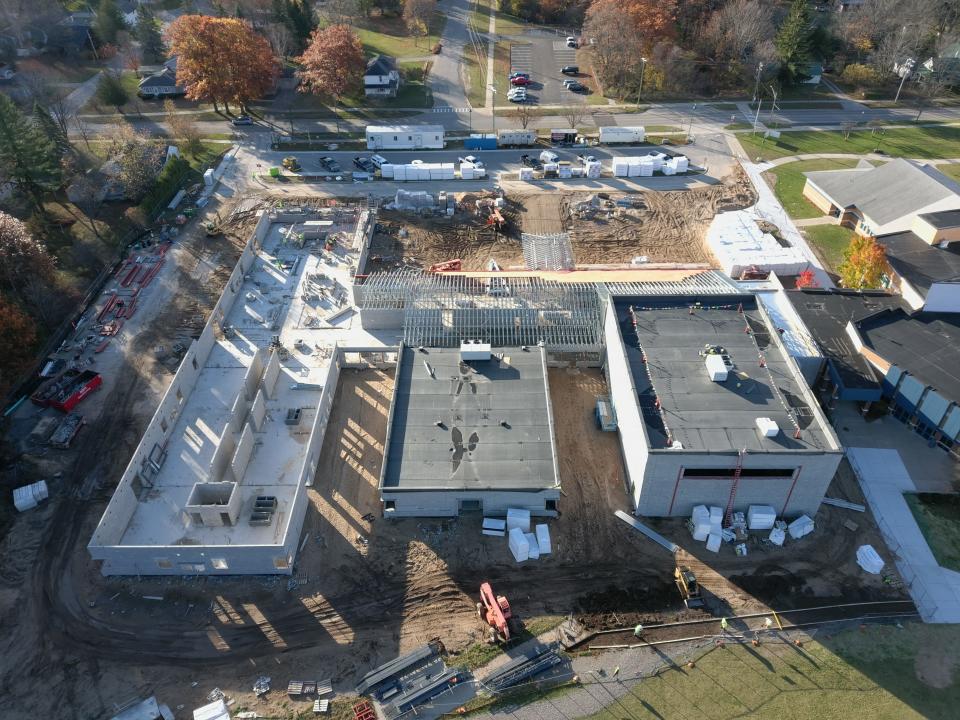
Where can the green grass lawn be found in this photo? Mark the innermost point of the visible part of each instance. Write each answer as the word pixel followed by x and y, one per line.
pixel 790 179
pixel 830 242
pixel 880 672
pixel 915 142
pixel 951 170
pixel 939 519
pixel 389 36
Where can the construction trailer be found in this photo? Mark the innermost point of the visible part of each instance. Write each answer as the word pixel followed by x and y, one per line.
pixel 509 137
pixel 563 136
pixel 750 435
pixel 405 137
pixel 617 134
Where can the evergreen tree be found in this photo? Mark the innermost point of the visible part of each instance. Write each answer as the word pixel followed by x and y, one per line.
pixel 793 42
pixel 152 50
pixel 28 158
pixel 297 16
pixel 50 128
pixel 111 91
pixel 109 21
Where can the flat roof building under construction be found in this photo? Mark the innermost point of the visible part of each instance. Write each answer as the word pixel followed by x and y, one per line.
pixel 470 428
pixel 218 484
pixel 723 412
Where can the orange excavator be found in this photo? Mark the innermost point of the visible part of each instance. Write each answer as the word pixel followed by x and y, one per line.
pixel 446 266
pixel 495 611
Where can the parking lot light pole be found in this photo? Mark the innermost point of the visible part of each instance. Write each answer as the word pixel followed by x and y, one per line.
pixel 642 70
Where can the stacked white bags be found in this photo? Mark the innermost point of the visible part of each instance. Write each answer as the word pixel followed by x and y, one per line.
pixel 386 171
pixel 869 560
pixel 523 544
pixel 761 517
pixel 634 166
pixel 422 171
pixel 564 171
pixel 803 525
pixel 519 519
pixel 701 522
pixel 592 169
pixel 29 496
pixel 518 544
pixel 526 174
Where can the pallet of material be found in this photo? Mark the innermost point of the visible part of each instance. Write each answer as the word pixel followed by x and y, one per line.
pixel 324 687
pixel 66 431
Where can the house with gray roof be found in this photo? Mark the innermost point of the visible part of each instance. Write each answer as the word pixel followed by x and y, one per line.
pixel 914 211
pixel 161 82
pixel 882 200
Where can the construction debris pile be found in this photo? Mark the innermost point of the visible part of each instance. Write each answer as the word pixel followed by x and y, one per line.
pixel 706 524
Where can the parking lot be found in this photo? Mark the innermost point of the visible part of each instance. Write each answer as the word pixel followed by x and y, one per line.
pixel 542 55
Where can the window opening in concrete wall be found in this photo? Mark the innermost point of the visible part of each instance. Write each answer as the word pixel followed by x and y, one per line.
pixel 694 473
pixel 389 504
pixel 550 505
pixel 219 564
pixel 164 564
pixel 281 563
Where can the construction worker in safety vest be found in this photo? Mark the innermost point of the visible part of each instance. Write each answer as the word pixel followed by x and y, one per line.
pixel 768 623
pixel 638 631
pixel 723 624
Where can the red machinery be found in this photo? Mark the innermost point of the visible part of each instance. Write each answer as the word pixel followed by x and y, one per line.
pixel 495 611
pixel 446 266
pixel 66 390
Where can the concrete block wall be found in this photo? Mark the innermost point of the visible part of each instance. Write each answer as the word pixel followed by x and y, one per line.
pixel 220 461
pixel 446 503
pixel 241 458
pixel 634 442
pixel 123 504
pixel 667 493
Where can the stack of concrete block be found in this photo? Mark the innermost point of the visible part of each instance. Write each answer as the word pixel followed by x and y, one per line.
pixel 701 522
pixel 494 527
pixel 518 545
pixel 777 536
pixel 761 517
pixel 518 518
pixel 543 539
pixel 533 548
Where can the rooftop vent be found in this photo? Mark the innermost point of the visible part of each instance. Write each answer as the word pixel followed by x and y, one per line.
pixel 474 350
pixel 716 368
pixel 767 427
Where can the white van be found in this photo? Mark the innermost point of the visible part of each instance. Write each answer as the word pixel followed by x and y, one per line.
pixel 548 156
pixel 378 161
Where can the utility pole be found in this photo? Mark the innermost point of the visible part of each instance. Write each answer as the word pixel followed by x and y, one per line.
pixel 756 118
pixel 756 86
pixel 905 69
pixel 773 107
pixel 642 70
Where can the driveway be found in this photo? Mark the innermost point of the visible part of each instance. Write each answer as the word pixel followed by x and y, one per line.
pixel 446 76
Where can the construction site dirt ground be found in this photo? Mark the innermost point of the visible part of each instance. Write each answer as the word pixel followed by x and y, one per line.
pixel 663 227
pixel 364 590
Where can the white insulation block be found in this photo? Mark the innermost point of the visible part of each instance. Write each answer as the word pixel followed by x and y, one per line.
pixel 803 525
pixel 533 549
pixel 713 542
pixel 543 539
pixel 761 517
pixel 517 542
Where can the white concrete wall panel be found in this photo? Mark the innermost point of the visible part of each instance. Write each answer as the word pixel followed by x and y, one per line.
pixel 241 458
pixel 258 411
pixel 271 374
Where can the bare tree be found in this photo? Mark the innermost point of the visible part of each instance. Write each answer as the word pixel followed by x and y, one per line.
pixel 523 114
pixel 280 39
pixel 573 114
pixel 928 89
pixel 619 47
pixel 738 30
pixel 417 15
pixel 338 11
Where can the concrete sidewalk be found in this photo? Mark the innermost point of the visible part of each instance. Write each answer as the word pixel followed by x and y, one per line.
pixel 884 479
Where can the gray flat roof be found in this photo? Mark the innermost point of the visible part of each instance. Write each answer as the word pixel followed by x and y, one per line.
pixel 678 400
pixel 926 345
pixel 826 314
pixel 943 218
pixel 888 192
pixel 494 430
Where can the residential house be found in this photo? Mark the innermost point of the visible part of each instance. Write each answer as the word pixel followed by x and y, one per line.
pixel 161 82
pixel 945 67
pixel 381 77
pixel 914 211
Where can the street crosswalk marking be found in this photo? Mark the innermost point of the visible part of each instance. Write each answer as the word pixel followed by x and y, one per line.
pixel 450 109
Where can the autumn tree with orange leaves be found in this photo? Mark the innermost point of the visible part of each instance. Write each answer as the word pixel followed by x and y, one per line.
pixel 333 62
pixel 864 264
pixel 221 60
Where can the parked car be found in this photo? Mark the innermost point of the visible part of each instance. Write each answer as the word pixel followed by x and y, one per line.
pixel 520 80
pixel 572 42
pixel 242 120
pixel 378 161
pixel 548 156
pixel 584 159
pixel 531 162
pixel 291 163
pixel 472 159
pixel 517 91
pixel 364 164
pixel 330 165
pixel 577 86
pixel 516 74
pixel 655 154
pixel 570 69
